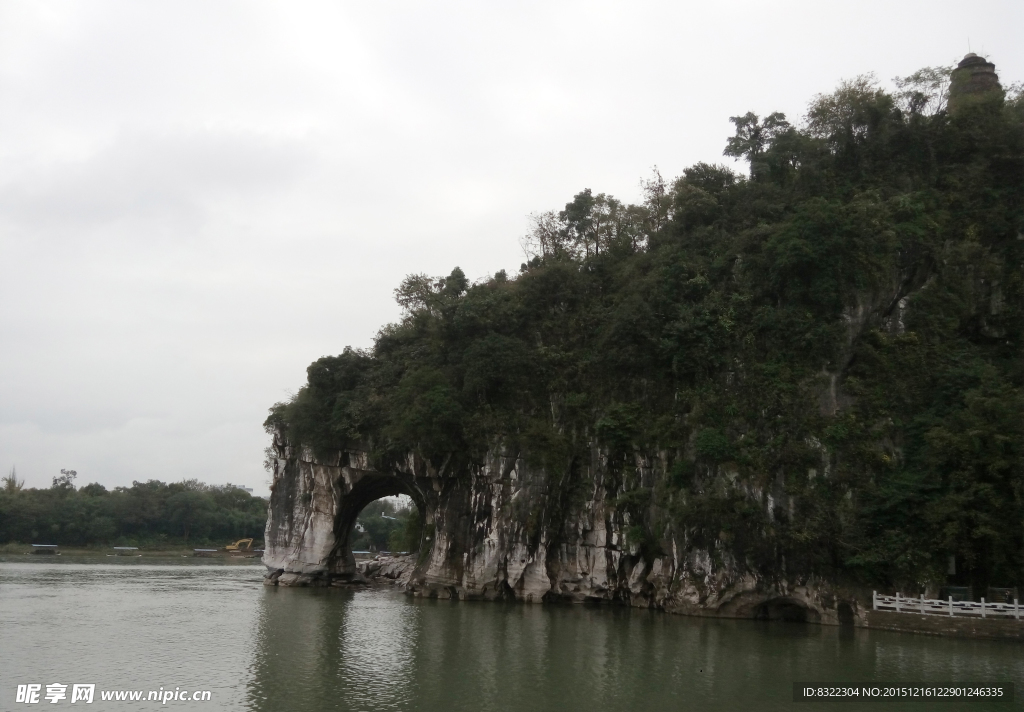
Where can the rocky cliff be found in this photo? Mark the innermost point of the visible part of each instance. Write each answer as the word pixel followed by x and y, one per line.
pixel 507 530
pixel 757 395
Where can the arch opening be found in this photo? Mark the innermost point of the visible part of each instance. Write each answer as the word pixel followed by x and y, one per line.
pixel 785 609
pixel 389 525
pixel 366 489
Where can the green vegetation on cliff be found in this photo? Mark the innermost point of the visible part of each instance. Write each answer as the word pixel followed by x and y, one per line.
pixel 823 360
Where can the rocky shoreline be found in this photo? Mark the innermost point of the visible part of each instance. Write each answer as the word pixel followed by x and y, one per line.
pixel 494 533
pixel 504 530
pixel 393 570
pixel 381 569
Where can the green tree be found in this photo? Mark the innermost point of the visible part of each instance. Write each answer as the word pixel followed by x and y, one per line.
pixel 12 483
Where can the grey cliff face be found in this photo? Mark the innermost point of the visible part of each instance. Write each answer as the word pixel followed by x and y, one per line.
pixel 506 530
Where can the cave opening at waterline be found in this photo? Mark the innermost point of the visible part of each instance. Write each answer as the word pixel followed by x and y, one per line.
pixel 845 614
pixel 786 609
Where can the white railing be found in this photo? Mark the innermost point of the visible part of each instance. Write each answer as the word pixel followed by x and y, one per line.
pixel 935 607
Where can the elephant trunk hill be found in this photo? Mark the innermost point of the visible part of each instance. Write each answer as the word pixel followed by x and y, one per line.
pixel 753 396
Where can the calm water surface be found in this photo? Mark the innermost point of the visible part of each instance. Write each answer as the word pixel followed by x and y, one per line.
pixel 141 625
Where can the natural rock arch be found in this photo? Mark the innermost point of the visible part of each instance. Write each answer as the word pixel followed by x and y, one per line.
pixel 366 487
pixel 503 529
pixel 313 510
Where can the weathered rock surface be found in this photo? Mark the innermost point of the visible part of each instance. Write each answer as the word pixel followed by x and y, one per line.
pixel 505 529
pixel 395 570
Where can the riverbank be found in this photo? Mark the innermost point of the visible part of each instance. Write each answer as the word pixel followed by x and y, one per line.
pixel 992 629
pixel 396 572
pixel 26 550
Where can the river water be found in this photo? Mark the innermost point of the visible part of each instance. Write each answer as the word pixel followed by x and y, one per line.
pixel 138 625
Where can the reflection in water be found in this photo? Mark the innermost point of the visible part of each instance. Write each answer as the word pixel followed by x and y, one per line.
pixel 334 648
pixel 378 636
pixel 378 650
pixel 299 650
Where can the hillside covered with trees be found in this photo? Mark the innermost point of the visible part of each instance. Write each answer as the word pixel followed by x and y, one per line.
pixel 826 354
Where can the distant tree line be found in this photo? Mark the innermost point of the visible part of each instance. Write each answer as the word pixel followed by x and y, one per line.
pixel 151 513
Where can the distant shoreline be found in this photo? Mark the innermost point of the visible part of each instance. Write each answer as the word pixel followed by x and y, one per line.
pixel 15 551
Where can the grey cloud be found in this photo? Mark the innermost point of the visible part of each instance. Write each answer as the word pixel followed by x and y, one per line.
pixel 196 200
pixel 175 177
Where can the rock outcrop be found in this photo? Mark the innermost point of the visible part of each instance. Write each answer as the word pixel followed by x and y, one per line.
pixel 509 530
pixel 395 570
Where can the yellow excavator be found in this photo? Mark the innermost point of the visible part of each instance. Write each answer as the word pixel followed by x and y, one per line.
pixel 240 545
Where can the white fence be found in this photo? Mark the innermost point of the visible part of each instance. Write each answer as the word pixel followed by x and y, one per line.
pixel 935 607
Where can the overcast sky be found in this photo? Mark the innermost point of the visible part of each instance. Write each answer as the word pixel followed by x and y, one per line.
pixel 197 199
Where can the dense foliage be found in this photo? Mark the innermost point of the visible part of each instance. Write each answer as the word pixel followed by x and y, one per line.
pixel 146 514
pixel 827 352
